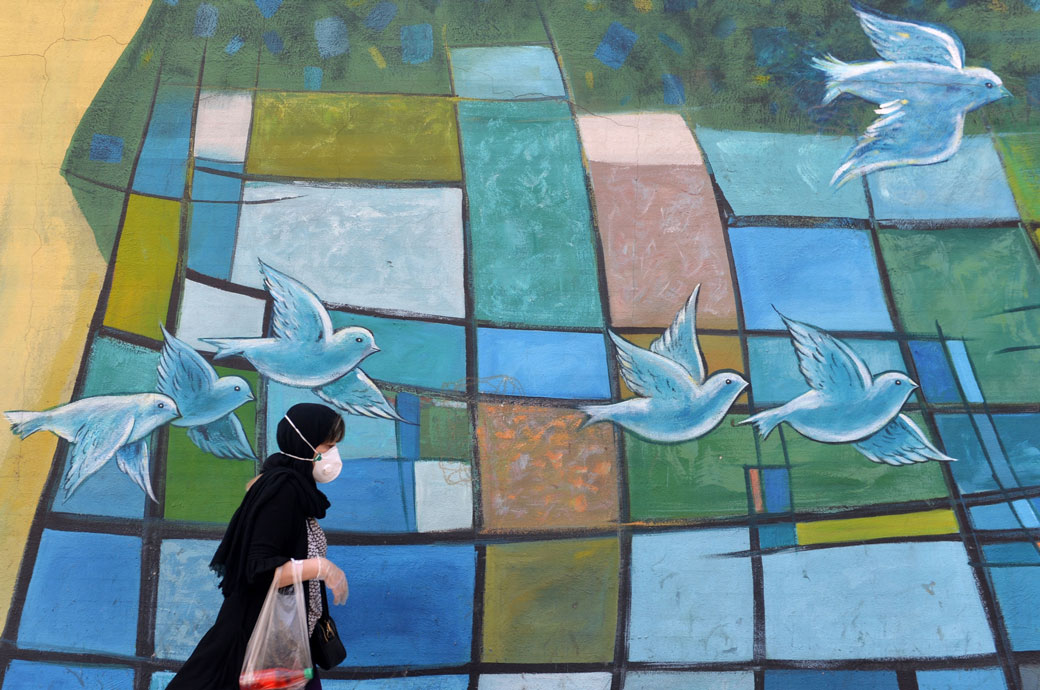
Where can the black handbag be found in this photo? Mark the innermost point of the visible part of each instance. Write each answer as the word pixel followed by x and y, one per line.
pixel 327 648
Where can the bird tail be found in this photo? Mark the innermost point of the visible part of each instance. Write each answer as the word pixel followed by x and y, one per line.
pixel 596 414
pixel 764 422
pixel 24 423
pixel 226 346
pixel 836 71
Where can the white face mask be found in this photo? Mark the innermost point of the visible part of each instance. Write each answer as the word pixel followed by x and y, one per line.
pixel 327 465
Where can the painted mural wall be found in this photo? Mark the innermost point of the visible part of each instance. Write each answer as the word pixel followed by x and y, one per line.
pixel 681 344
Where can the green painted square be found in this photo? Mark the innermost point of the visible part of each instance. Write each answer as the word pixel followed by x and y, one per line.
pixel 837 475
pixel 444 430
pixel 1021 156
pixel 237 71
pixel 970 281
pixel 118 368
pixel 498 22
pixel 103 209
pixel 551 602
pixel 202 487
pixel 697 479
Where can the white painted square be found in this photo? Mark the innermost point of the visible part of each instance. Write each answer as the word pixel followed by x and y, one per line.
pixel 546 681
pixel 443 495
pixel 639 139
pixel 392 249
pixel 209 312
pixel 222 125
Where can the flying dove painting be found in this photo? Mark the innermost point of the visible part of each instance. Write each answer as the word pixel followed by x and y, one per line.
pixel 922 87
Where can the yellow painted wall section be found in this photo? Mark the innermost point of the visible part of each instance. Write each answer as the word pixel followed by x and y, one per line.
pixel 880 527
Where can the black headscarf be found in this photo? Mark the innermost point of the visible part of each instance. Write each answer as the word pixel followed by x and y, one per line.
pixel 280 473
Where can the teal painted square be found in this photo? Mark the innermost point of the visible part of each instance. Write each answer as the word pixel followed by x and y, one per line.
pixel 824 276
pixel 83 595
pixel 533 255
pixel 831 680
pixel 775 536
pixel 34 675
pixel 212 186
pixel 992 455
pixel 962 679
pixel 160 680
pixel 998 516
pixel 113 368
pixel 414 353
pixel 775 377
pixel 1016 590
pixel 675 680
pixel 770 174
pixel 506 72
pixel 971 184
pixel 188 598
pixel 1011 553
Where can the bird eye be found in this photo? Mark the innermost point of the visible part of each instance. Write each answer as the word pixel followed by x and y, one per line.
pixel 162 405
pixel 238 388
pixel 358 339
pixel 989 85
pixel 898 382
pixel 729 381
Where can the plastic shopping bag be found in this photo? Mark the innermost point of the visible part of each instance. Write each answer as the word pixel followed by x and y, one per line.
pixel 278 656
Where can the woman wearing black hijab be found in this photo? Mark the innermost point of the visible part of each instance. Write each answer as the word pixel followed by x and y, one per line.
pixel 276 522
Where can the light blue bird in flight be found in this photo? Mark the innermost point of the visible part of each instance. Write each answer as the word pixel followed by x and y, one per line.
pixel 305 352
pixel 679 401
pixel 100 428
pixel 847 404
pixel 921 86
pixel 206 401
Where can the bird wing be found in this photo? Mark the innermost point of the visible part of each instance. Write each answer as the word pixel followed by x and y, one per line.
pixel 679 342
pixel 650 374
pixel 225 438
pixel 355 393
pixel 827 364
pixel 94 445
pixel 298 313
pixel 905 134
pixel 900 40
pixel 184 374
pixel 900 442
pixel 132 459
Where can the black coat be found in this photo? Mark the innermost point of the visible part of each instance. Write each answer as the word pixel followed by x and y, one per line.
pixel 270 532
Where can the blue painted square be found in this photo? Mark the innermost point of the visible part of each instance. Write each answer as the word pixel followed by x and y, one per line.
pixel 679 5
pixel 1013 553
pixel 430 355
pixel 681 680
pixel 970 185
pixel 776 487
pixel 312 78
pixel 965 374
pixel 381 16
pixel 113 367
pixel 163 161
pixel 775 377
pixel 268 7
pixel 408 434
pixel 690 603
pixel 1016 590
pixel 1026 513
pixel 33 675
pixel 409 605
pixel 544 364
pixel 933 371
pixel 972 471
pixel 106 149
pixel 188 596
pixel 997 516
pixel 674 91
pixel 777 535
pixel 212 186
pixel 211 240
pixel 206 21
pixel 273 42
pixel 234 45
pixel 83 594
pixel 827 277
pixel 331 36
pixel 416 43
pixel 831 680
pixel 405 683
pixel 372 495
pixel 962 679
pixel 773 174
pixel 365 437
pixel 1020 434
pixel 617 43
pixel 160 680
pixel 507 72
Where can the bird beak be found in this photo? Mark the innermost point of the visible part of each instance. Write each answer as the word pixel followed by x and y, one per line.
pixel 1004 93
pixel 375 348
pixel 251 396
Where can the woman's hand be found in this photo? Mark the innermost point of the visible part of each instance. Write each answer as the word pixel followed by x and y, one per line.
pixel 334 579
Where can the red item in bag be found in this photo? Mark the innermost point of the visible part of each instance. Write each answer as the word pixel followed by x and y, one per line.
pixel 274 679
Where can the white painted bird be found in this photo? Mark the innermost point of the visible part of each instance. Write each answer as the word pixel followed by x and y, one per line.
pixel 922 87
pixel 678 402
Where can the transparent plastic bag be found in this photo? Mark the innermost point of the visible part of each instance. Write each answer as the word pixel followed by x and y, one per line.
pixel 278 656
